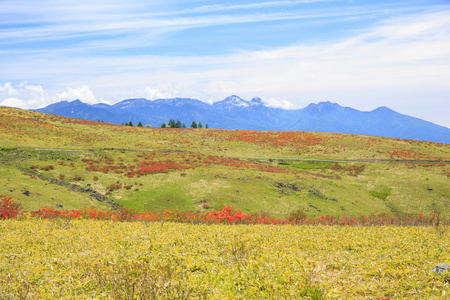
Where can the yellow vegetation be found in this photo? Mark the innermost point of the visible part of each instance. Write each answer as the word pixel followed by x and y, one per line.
pixel 88 259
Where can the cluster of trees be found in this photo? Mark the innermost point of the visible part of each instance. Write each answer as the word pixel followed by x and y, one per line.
pixel 171 124
pixel 177 124
pixel 131 124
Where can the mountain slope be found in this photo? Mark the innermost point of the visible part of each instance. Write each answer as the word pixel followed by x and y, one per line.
pixel 237 113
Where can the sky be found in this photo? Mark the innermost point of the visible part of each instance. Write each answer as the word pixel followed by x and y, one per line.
pixel 362 53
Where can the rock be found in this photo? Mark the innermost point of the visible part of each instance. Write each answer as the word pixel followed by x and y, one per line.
pixel 441 268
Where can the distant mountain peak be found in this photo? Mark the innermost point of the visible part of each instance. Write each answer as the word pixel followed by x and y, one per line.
pixel 73 102
pixel 383 109
pixel 130 103
pixel 231 102
pixel 324 106
pixel 236 102
pixel 133 100
pixel 256 101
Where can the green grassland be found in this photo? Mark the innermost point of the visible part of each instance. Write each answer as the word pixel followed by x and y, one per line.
pixel 206 169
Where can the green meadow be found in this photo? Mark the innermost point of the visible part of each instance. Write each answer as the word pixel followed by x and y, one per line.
pixel 156 169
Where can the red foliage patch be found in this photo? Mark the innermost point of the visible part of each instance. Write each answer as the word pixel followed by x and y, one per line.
pixel 226 215
pixel 9 209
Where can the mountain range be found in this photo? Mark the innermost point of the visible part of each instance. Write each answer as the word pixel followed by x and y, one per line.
pixel 236 113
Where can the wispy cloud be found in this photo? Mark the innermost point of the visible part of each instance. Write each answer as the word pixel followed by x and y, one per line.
pixel 255 5
pixel 86 25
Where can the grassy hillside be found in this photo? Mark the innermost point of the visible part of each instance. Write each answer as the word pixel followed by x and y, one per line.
pixel 70 162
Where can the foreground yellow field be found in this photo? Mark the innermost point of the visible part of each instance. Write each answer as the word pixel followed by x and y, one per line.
pixel 85 259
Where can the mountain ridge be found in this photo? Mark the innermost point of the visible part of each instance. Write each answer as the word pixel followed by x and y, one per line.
pixel 234 112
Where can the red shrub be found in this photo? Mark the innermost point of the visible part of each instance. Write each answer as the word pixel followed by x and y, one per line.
pixel 226 215
pixel 48 168
pixel 47 213
pixel 8 209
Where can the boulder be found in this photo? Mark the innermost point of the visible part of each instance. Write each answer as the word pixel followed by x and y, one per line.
pixel 441 268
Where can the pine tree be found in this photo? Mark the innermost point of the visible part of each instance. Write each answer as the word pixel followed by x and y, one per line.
pixel 126 123
pixel 178 124
pixel 140 124
pixel 130 124
pixel 206 125
pixel 163 125
pixel 200 125
pixel 193 125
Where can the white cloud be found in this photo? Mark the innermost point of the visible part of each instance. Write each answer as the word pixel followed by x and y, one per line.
pixel 279 103
pixel 30 96
pixel 13 102
pixel 8 89
pixel 82 93
pixel 25 95
pixel 160 92
pixel 31 88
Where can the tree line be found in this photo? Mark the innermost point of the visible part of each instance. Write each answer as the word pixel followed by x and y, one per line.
pixel 172 124
pixel 131 124
pixel 177 124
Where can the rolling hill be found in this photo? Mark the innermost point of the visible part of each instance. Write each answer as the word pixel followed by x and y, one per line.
pixel 48 160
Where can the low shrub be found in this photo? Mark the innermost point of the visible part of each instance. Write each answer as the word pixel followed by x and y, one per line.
pixel 9 209
pixel 227 215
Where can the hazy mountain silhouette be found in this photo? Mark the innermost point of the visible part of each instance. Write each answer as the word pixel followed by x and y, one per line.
pixel 236 113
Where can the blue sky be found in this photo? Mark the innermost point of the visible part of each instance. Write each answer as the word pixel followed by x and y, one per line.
pixel 362 54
